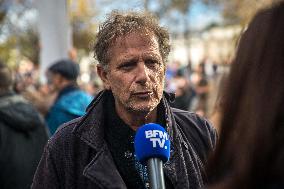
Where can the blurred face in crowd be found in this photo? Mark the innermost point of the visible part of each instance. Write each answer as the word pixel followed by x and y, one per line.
pixel 135 73
pixel 54 80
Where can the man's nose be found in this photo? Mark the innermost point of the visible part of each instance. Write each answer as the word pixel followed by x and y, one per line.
pixel 142 73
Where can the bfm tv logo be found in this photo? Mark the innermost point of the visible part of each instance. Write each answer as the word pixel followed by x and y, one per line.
pixel 157 137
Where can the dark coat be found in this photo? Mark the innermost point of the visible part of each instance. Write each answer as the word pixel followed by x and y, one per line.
pixel 77 156
pixel 22 140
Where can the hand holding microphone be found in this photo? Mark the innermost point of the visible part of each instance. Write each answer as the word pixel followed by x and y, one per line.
pixel 152 148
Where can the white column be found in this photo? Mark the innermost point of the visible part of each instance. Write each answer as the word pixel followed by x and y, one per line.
pixel 54 32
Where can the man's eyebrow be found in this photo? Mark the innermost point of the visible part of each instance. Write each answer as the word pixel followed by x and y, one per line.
pixel 151 55
pixel 127 59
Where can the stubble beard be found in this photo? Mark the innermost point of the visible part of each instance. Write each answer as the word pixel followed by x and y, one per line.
pixel 134 106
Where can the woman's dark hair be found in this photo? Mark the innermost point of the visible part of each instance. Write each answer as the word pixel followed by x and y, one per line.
pixel 250 152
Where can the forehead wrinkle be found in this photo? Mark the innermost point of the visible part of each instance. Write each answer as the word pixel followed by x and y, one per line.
pixel 152 55
pixel 143 55
pixel 123 47
pixel 128 58
pixel 128 54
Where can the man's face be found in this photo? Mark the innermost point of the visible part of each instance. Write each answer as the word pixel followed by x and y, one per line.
pixel 136 73
pixel 55 80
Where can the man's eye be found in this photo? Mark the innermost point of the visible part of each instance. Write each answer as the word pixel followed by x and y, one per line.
pixel 152 62
pixel 127 65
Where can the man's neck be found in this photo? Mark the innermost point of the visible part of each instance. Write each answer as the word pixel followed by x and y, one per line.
pixel 137 119
pixel 64 84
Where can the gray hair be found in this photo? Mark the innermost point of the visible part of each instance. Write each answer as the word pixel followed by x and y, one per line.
pixel 120 24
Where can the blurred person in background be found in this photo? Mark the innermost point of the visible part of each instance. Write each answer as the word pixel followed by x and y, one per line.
pixel 41 97
pixel 202 89
pixel 216 114
pixel 23 136
pixel 186 71
pixel 93 87
pixel 71 102
pixel 250 153
pixel 27 84
pixel 184 92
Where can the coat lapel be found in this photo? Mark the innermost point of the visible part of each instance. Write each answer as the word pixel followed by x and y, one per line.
pixel 175 167
pixel 102 171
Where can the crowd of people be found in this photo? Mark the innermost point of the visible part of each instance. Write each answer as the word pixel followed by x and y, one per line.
pixel 64 134
pixel 194 87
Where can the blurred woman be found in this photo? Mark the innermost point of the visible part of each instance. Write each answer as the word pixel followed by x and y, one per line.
pixel 250 153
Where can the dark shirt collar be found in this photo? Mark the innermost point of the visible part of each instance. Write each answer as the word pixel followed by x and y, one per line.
pixel 117 126
pixel 120 139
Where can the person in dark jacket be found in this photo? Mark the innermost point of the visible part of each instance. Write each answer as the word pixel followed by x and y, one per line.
pixel 23 136
pixel 71 102
pixel 96 150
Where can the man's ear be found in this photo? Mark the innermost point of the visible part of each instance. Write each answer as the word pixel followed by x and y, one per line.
pixel 104 76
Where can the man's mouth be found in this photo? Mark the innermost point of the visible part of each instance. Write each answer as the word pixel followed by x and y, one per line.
pixel 143 94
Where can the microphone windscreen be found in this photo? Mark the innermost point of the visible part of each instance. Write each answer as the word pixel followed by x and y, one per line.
pixel 151 141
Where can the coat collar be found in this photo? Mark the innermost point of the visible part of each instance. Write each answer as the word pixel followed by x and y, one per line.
pixel 102 171
pixel 91 131
pixel 91 127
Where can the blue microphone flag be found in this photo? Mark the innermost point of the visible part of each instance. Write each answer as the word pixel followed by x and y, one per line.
pixel 151 141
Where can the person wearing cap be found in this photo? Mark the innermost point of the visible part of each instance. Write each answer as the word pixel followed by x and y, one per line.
pixel 71 102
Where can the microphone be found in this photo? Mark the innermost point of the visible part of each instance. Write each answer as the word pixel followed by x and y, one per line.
pixel 152 148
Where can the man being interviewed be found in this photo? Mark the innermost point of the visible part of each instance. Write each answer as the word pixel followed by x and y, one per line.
pixel 97 150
